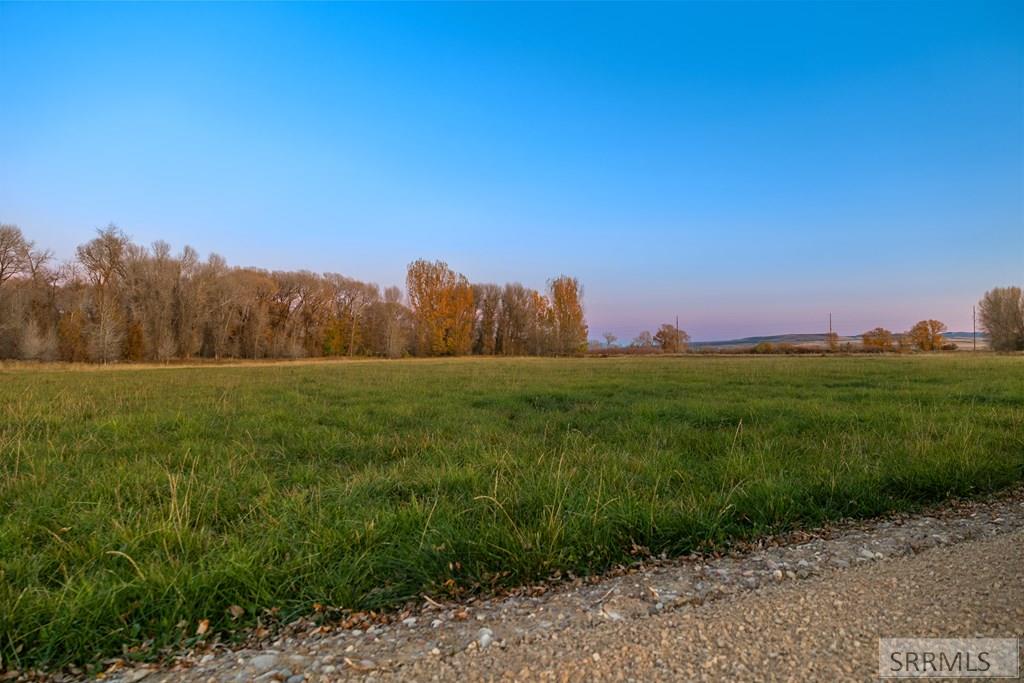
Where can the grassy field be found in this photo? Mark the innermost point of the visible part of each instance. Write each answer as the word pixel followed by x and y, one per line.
pixel 135 502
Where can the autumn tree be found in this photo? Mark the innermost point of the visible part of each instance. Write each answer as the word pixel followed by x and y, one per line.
pixel 566 301
pixel 926 335
pixel 671 340
pixel 1002 317
pixel 878 338
pixel 442 307
pixel 540 325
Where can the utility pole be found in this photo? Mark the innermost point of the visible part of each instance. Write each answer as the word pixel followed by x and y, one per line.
pixel 974 327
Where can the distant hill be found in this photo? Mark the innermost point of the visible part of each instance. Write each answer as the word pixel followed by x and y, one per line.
pixel 964 335
pixel 818 338
pixel 812 340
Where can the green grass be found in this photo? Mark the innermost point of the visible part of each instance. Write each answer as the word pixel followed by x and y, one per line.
pixel 135 499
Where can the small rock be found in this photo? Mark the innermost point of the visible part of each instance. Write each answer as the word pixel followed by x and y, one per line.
pixel 263 662
pixel 484 637
pixel 435 652
pixel 411 621
pixel 297 678
pixel 435 623
pixel 777 575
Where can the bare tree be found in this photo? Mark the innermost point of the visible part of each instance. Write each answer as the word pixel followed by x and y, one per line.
pixel 513 320
pixel 398 330
pixel 487 301
pixel 104 261
pixel 14 252
pixel 1002 317
pixel 644 340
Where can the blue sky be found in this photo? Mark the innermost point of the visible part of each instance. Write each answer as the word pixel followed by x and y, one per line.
pixel 749 167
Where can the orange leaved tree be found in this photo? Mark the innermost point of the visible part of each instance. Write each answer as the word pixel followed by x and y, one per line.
pixel 442 307
pixel 878 338
pixel 926 335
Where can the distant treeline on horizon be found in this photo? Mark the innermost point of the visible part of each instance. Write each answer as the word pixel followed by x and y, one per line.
pixel 120 301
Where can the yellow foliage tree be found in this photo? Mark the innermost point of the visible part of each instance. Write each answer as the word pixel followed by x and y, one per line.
pixel 878 338
pixel 570 329
pixel 926 335
pixel 442 307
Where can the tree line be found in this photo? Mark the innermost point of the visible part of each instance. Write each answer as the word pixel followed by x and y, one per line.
pixel 117 300
pixel 121 301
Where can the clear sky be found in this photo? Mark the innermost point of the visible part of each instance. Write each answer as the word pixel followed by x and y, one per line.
pixel 749 167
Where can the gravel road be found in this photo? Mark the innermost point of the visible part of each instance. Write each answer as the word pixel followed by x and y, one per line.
pixel 824 629
pixel 810 606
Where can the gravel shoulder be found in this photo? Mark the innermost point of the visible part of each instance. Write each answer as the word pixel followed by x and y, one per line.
pixel 809 606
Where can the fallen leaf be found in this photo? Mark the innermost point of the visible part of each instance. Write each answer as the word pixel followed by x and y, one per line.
pixel 203 627
pixel 364 665
pixel 237 611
